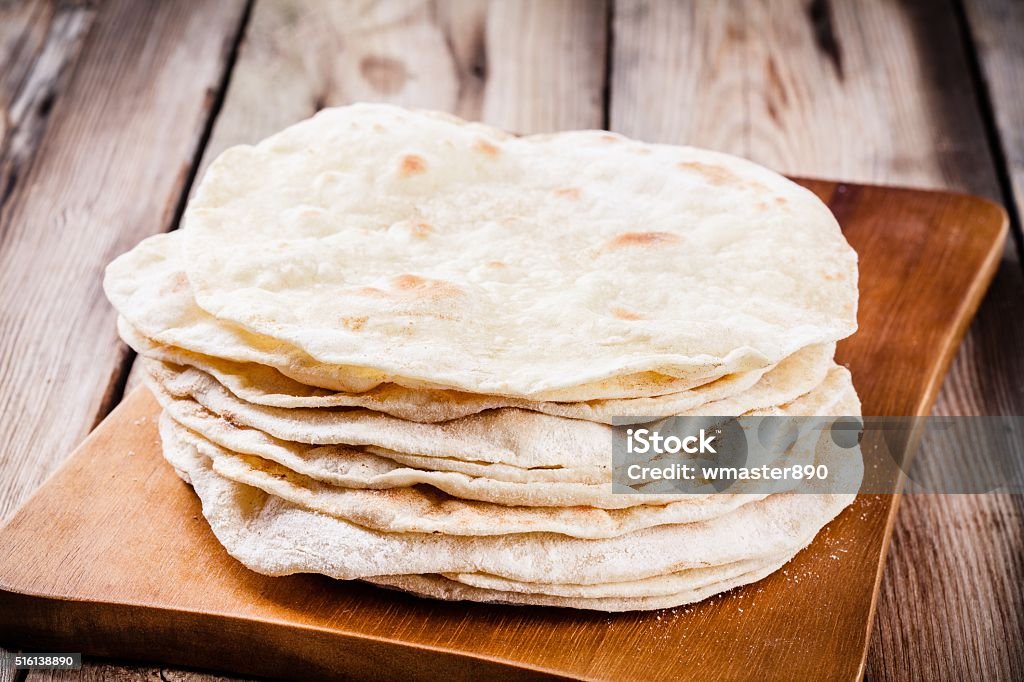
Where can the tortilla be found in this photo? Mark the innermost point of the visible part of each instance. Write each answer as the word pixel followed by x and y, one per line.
pixel 275 537
pixel 424 509
pixel 263 385
pixel 440 587
pixel 150 290
pixel 454 254
pixel 521 438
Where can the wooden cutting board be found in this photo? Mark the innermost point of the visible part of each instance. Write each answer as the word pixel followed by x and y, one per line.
pixel 113 557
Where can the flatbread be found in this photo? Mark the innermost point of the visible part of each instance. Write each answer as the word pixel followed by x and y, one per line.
pixel 263 385
pixel 521 438
pixel 150 290
pixel 423 509
pixel 456 255
pixel 275 537
pixel 390 345
pixel 440 587
pixel 658 586
pixel 354 466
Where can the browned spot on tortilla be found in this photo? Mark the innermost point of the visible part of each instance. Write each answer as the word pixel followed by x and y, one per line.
pixel 422 230
pixel 412 165
pixel 409 282
pixel 377 127
pixel 425 287
pixel 642 151
pixel 178 283
pixel 781 201
pixel 486 148
pixel 354 323
pixel 715 175
pixel 611 138
pixel 496 264
pixel 625 314
pixel 569 192
pixel 641 239
pixel 371 291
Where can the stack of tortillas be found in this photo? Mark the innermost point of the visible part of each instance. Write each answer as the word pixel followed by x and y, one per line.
pixel 389 345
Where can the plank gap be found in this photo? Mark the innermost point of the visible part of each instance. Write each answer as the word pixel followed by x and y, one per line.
pixel 28 97
pixel 122 378
pixel 609 65
pixel 215 108
pixel 986 110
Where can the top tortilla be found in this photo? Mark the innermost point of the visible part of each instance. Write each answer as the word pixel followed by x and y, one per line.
pixel 412 246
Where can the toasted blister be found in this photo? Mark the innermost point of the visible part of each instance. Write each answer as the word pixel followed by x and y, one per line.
pixel 276 537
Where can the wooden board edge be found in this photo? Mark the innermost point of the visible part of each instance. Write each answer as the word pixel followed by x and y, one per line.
pixel 965 315
pixel 276 650
pixel 973 297
pixel 126 405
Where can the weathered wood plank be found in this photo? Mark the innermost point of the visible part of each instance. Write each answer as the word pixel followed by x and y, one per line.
pixel 530 67
pixel 7 671
pixel 541 63
pixel 997 27
pixel 109 170
pixel 819 92
pixel 875 92
pixel 39 43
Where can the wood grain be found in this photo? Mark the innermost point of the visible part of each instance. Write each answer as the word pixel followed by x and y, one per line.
pixel 995 28
pixel 109 170
pixel 39 42
pixel 531 66
pixel 873 91
pixel 192 603
pixel 753 78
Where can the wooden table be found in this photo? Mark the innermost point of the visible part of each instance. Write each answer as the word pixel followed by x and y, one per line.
pixel 113 108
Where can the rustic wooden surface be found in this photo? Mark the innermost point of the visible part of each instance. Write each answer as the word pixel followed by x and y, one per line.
pixel 112 156
pixel 105 106
pixel 810 619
